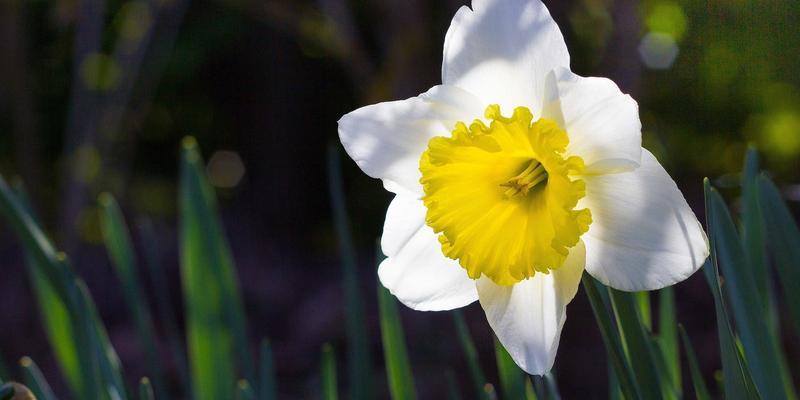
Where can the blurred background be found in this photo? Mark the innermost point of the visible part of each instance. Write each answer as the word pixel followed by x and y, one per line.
pixel 95 96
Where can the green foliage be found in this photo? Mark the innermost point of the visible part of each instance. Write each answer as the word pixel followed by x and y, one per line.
pixel 644 364
pixel 475 370
pixel 330 388
pixel 512 379
pixel 398 368
pixel 215 319
pixel 359 372
pixel 35 380
pixel 700 389
pixel 118 243
pixel 267 387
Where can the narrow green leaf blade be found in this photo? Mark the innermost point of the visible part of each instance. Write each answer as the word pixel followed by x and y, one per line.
pixel 668 336
pixel 244 391
pixel 146 389
pixel 736 381
pixel 398 368
pixel 512 378
pixel 267 386
pixel 330 388
pixel 118 243
pixel 637 342
pixel 700 388
pixel 784 242
pixel 359 369
pixel 164 303
pixel 610 335
pixel 215 317
pixel 35 380
pixel 748 309
pixel 475 370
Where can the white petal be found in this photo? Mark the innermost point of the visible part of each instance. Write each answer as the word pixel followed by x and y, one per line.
pixel 416 271
pixel 527 317
pixel 387 139
pixel 643 235
pixel 602 123
pixel 502 50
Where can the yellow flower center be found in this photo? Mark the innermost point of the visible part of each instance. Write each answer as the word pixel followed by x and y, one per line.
pixel 502 197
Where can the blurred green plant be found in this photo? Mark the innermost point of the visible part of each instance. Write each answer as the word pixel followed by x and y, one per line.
pixel 644 363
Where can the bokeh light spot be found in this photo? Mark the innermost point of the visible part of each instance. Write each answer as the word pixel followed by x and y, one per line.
pixel 658 50
pixel 668 18
pixel 225 169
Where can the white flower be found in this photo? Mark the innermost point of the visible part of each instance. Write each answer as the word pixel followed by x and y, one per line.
pixel 510 210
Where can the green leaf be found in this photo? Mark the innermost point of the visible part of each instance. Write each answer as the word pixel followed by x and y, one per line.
pixel 753 228
pixel 700 388
pixel 530 393
pixel 359 365
pixel 146 389
pixel 111 385
pixel 330 390
pixel 244 391
pixel 118 243
pixel 267 387
pixel 77 333
pixel 595 291
pixel 760 349
pixel 512 378
pixel 637 342
pixel 643 309
pixel 668 336
pixel 164 303
pixel 737 382
pixel 452 386
pixel 215 317
pixel 477 376
pixel 35 381
pixel 784 243
pixel 398 368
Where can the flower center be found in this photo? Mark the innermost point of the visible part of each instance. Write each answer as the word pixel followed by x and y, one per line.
pixel 502 197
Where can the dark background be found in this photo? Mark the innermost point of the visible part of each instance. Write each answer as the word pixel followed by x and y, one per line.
pixel 95 95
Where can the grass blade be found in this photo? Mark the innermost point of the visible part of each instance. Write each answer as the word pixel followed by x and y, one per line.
pixel 164 302
pixel 784 241
pixel 267 386
pixel 700 388
pixel 452 386
pixel 118 243
pixel 512 379
pixel 35 380
pixel 146 389
pixel 753 231
pixel 530 392
pixel 215 318
pixel 330 389
pixel 760 349
pixel 668 336
pixel 65 292
pixel 111 385
pixel 476 373
pixel 359 371
pixel 398 368
pixel 611 340
pixel 637 342
pixel 736 381
pixel 244 391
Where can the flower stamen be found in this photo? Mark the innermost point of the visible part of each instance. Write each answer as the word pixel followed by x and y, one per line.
pixel 531 176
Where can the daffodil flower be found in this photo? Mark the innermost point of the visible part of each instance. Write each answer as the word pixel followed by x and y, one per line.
pixel 512 177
